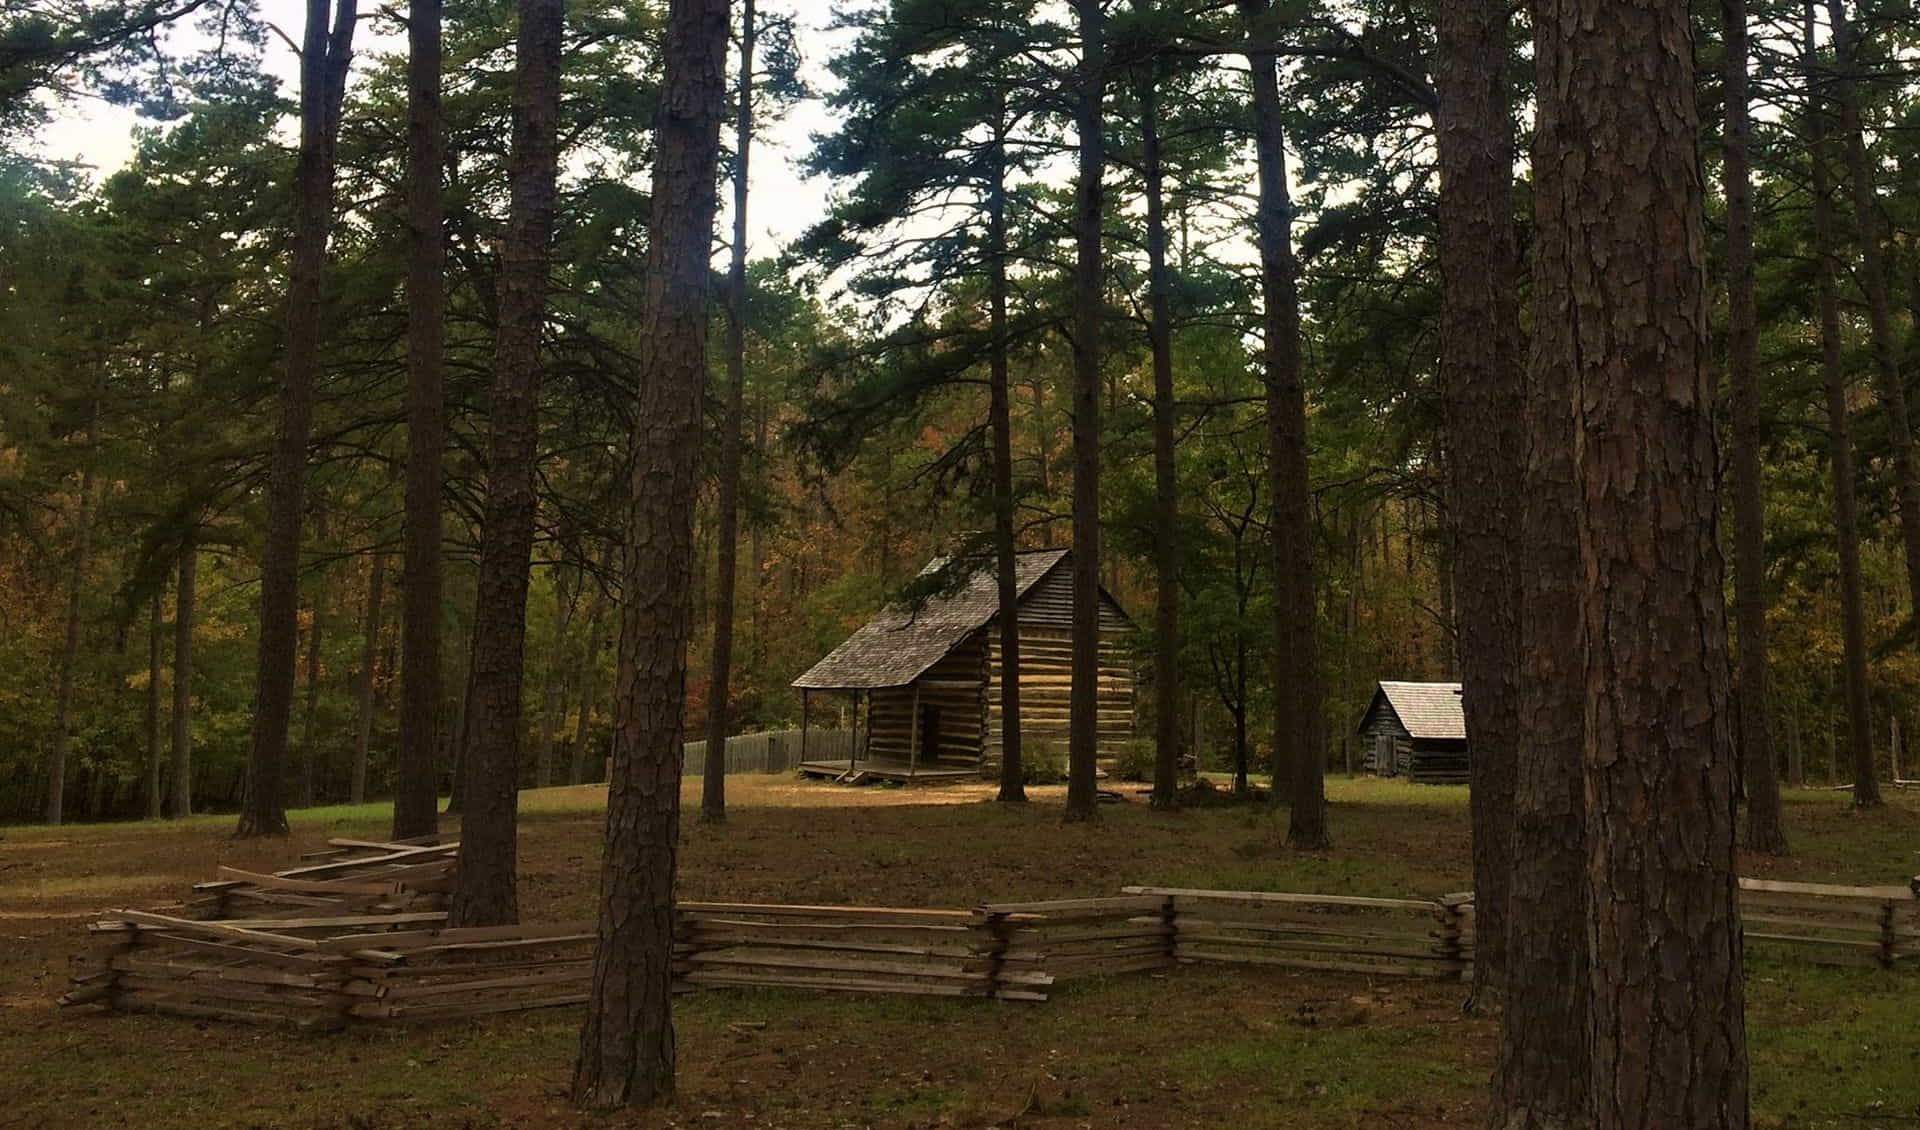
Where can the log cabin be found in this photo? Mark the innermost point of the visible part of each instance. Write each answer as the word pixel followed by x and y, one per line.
pixel 925 681
pixel 1417 731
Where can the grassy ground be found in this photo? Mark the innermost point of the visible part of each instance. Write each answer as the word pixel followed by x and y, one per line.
pixel 1198 1047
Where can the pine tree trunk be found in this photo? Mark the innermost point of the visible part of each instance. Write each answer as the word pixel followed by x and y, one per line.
pixel 70 641
pixel 588 683
pixel 1485 403
pixel 156 735
pixel 1889 387
pixel 1166 503
pixel 484 887
pixel 627 1043
pixel 309 754
pixel 183 613
pixel 457 740
pixel 713 781
pixel 1540 1080
pixel 1083 724
pixel 1298 752
pixel 1846 509
pixel 1764 830
pixel 553 710
pixel 1796 751
pixel 1013 781
pixel 415 799
pixel 326 53
pixel 1620 293
pixel 369 662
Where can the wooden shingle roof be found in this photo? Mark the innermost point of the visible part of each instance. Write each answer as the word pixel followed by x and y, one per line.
pixel 893 648
pixel 1427 710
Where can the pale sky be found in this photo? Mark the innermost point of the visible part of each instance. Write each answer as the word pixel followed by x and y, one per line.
pixel 782 203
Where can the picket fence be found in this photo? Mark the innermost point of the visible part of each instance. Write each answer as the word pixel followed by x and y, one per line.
pixel 770 751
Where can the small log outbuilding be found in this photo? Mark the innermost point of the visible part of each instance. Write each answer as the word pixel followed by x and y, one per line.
pixel 1417 731
pixel 925 682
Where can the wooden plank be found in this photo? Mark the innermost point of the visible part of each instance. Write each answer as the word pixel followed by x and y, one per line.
pixel 342 921
pixel 1131 930
pixel 417 955
pixel 578 971
pixel 1055 907
pixel 338 904
pixel 201 989
pixel 215 930
pixel 430 970
pixel 161 941
pixel 389 846
pixel 1798 939
pixel 798 979
pixel 1825 890
pixel 704 939
pixel 159 966
pixel 177 1006
pixel 877 912
pixel 1809 923
pixel 1857 910
pixel 471 1008
pixel 1187 923
pixel 880 968
pixel 1221 940
pixel 1102 969
pixel 1303 963
pixel 409 939
pixel 407 855
pixel 1284 898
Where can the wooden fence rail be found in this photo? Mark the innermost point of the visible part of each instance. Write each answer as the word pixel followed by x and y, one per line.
pixel 1398 937
pixel 358 933
pixel 1835 925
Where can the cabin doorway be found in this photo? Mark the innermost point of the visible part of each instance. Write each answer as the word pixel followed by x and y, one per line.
pixel 929 740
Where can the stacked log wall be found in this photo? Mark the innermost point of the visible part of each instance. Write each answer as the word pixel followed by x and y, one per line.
pixel 956 685
pixel 1046 671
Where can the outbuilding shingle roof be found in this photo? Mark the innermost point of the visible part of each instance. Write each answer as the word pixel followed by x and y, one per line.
pixel 1427 710
pixel 893 648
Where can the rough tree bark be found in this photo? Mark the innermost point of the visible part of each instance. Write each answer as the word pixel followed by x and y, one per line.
pixel 156 737
pixel 553 698
pixel 326 52
pixel 70 640
pixel 1889 388
pixel 713 780
pixel 484 887
pixel 1013 783
pixel 1764 830
pixel 415 803
pixel 369 660
pixel 181 805
pixel 1485 404
pixel 1297 749
pixel 1846 508
pixel 1083 700
pixel 1166 502
pixel 627 1044
pixel 1540 1080
pixel 309 753
pixel 576 769
pixel 1620 298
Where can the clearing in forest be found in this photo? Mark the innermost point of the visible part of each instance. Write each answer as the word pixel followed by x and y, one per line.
pixel 1199 1047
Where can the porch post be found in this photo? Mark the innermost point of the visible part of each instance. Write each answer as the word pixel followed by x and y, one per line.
pixel 805 702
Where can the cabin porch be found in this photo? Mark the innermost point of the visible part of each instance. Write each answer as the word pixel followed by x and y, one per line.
pixel 855 770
